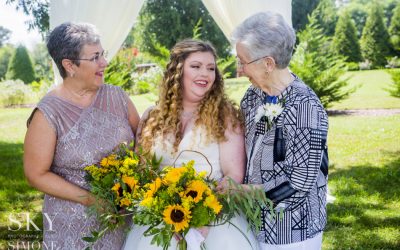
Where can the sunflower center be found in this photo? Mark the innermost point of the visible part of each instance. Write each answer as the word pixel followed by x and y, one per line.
pixel 192 194
pixel 177 215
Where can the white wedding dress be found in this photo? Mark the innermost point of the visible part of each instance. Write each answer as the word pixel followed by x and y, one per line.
pixel 224 236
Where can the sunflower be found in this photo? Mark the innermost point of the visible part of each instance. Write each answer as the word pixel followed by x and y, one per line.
pixel 117 189
pixel 125 202
pixel 195 190
pixel 177 216
pixel 173 175
pixel 213 203
pixel 131 182
pixel 153 187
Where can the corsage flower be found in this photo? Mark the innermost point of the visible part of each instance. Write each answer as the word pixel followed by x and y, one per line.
pixel 270 111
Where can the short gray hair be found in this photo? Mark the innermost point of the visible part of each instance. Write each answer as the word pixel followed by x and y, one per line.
pixel 67 40
pixel 266 34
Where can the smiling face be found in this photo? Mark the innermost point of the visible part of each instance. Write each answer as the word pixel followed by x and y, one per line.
pixel 254 71
pixel 198 76
pixel 91 71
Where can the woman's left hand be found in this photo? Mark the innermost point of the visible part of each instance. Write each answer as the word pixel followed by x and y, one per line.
pixel 225 185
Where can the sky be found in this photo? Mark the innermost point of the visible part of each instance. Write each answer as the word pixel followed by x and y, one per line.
pixel 15 21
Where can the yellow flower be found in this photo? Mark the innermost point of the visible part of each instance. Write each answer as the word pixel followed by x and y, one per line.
pixel 213 203
pixel 125 202
pixel 187 203
pixel 129 161
pixel 116 188
pixel 195 190
pixel 174 174
pixel 202 174
pixel 153 187
pixel 104 162
pixel 177 216
pixel 131 182
pixel 146 202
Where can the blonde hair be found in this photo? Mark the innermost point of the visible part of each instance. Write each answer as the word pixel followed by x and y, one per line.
pixel 216 112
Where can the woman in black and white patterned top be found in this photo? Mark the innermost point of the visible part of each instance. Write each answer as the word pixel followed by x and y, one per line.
pixel 286 135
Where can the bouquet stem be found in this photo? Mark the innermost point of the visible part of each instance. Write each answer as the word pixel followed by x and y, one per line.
pixel 182 245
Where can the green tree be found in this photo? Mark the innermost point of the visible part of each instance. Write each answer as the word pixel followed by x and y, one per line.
pixel 5 55
pixel 20 66
pixel 318 66
pixel 326 16
pixel 4 35
pixel 375 45
pixel 394 28
pixel 345 41
pixel 300 11
pixel 38 9
pixel 359 14
pixel 165 22
pixel 42 63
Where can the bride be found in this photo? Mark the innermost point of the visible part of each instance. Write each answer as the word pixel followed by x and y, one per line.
pixel 194 114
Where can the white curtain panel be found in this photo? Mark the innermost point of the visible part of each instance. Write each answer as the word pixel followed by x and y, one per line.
pixel 113 19
pixel 230 13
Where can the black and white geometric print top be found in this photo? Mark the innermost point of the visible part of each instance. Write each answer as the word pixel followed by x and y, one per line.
pixel 290 160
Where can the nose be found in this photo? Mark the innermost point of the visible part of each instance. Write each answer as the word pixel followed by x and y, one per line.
pixel 239 71
pixel 204 71
pixel 103 61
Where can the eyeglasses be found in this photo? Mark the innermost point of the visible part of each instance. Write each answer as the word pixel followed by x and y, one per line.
pixel 95 58
pixel 241 65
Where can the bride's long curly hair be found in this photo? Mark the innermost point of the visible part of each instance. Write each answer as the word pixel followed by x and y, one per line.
pixel 215 112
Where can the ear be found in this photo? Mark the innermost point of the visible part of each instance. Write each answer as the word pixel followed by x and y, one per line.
pixel 269 63
pixel 68 66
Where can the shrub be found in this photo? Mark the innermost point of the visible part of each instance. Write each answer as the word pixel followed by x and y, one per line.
pixel 119 70
pixel 15 92
pixel 365 65
pixel 318 66
pixel 146 82
pixel 352 66
pixel 394 89
pixel 393 62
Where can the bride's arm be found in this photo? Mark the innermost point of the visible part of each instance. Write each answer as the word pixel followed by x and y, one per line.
pixel 232 154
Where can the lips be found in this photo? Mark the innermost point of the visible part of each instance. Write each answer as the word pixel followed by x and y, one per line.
pixel 201 83
pixel 99 73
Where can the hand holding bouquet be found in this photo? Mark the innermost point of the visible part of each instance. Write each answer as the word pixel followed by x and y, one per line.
pixel 177 200
pixel 115 182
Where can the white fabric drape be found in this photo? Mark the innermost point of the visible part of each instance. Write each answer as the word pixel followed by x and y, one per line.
pixel 230 13
pixel 113 19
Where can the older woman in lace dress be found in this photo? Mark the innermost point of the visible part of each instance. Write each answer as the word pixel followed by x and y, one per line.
pixel 75 125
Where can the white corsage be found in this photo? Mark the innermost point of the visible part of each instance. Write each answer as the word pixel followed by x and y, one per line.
pixel 270 111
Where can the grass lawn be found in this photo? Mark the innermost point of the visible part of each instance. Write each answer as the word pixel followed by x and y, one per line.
pixel 365 179
pixel 370 93
pixel 364 170
pixel 16 196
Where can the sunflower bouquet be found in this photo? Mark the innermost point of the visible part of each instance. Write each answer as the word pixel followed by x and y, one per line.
pixel 116 183
pixel 179 199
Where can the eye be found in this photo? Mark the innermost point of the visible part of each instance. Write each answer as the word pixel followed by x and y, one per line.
pixel 211 69
pixel 95 58
pixel 195 66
